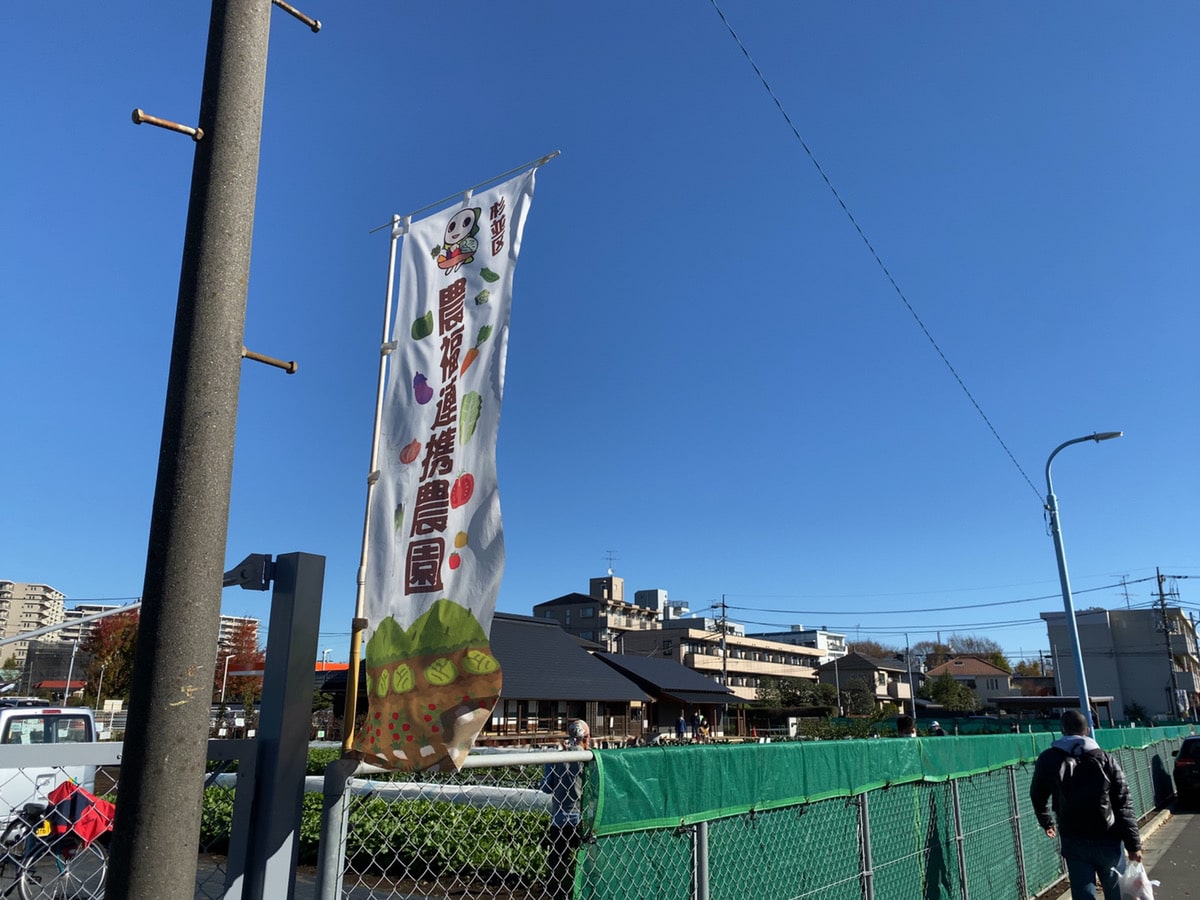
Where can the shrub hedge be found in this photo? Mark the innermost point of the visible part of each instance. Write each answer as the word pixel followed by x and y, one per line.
pixel 387 837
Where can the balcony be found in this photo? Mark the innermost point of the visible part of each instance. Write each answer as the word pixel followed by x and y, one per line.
pixel 898 690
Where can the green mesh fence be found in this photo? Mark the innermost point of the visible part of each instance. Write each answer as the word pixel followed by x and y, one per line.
pixel 945 818
pixel 1039 854
pixel 989 835
pixel 637 865
pixel 784 853
pixel 912 841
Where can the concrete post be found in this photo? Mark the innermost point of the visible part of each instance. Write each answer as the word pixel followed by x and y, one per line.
pixel 158 818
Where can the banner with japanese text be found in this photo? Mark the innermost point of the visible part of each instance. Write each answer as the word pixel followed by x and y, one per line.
pixel 435 539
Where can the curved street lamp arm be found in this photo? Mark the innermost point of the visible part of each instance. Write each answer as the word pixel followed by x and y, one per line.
pixel 1096 436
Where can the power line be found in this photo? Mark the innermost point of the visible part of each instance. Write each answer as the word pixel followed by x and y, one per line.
pixel 871 249
pixel 838 612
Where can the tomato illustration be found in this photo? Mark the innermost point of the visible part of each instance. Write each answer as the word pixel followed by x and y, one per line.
pixel 455 560
pixel 464 487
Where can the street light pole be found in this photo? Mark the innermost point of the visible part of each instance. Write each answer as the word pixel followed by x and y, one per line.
pixel 225 677
pixel 70 674
pixel 912 695
pixel 1060 553
pixel 837 686
pixel 325 659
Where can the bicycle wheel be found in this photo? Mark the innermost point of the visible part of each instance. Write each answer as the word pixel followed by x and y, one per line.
pixel 67 872
pixel 12 855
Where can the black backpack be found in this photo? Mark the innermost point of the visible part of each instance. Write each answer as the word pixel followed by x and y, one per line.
pixel 1084 805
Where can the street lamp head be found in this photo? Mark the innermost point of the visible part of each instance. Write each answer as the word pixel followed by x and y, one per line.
pixel 1107 436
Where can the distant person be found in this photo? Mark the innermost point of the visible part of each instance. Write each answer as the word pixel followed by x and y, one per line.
pixel 695 725
pixel 680 727
pixel 905 726
pixel 1092 809
pixel 937 730
pixel 564 782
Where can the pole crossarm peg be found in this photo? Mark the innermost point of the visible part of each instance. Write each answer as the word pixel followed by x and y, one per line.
pixel 289 367
pixel 314 24
pixel 140 117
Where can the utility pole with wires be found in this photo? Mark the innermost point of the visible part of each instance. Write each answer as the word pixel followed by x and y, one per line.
pixel 724 663
pixel 724 631
pixel 1173 700
pixel 157 826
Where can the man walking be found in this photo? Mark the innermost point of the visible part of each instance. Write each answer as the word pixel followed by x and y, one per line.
pixel 564 782
pixel 1090 798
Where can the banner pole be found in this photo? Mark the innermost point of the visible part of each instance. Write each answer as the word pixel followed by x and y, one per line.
pixel 359 623
pixel 536 164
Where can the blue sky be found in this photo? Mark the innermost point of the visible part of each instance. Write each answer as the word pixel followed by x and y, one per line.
pixel 711 376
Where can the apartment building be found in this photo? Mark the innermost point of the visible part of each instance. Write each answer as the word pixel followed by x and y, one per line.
pixel 25 608
pixel 602 615
pixel 653 625
pixel 721 651
pixel 1145 659
pixel 831 644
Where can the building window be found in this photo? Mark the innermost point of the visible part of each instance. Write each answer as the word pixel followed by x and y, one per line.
pixel 587 612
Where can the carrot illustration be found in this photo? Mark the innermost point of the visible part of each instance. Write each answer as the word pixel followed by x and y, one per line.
pixel 470 356
pixel 468 359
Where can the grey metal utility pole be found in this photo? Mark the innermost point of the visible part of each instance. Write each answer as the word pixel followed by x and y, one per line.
pixel 157 826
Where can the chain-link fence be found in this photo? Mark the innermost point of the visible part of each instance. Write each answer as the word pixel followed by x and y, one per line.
pixel 895 828
pixel 44 850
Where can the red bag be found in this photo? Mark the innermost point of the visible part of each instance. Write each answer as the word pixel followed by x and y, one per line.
pixel 81 813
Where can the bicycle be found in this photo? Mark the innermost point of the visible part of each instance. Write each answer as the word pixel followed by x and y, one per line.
pixel 52 862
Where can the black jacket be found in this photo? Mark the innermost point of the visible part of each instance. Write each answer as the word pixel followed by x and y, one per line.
pixel 1087 790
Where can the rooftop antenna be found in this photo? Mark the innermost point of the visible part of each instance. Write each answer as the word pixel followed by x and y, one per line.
pixel 612 557
pixel 1125 588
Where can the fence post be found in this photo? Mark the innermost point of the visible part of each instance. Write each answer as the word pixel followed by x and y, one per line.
pixel 282 743
pixel 1015 802
pixel 335 817
pixel 959 838
pixel 700 856
pixel 864 846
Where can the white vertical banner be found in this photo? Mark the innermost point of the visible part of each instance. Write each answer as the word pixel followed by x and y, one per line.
pixel 435 539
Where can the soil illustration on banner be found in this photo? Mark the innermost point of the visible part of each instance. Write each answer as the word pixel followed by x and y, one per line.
pixel 436 542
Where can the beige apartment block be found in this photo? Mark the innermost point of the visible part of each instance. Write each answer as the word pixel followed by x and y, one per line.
pixel 25 608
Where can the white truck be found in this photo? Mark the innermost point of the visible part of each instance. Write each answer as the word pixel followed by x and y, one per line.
pixel 28 775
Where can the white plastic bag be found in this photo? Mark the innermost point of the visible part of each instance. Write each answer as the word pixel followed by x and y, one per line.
pixel 1135 882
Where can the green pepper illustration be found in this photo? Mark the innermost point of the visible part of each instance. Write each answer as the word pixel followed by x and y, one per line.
pixel 422 326
pixel 488 275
